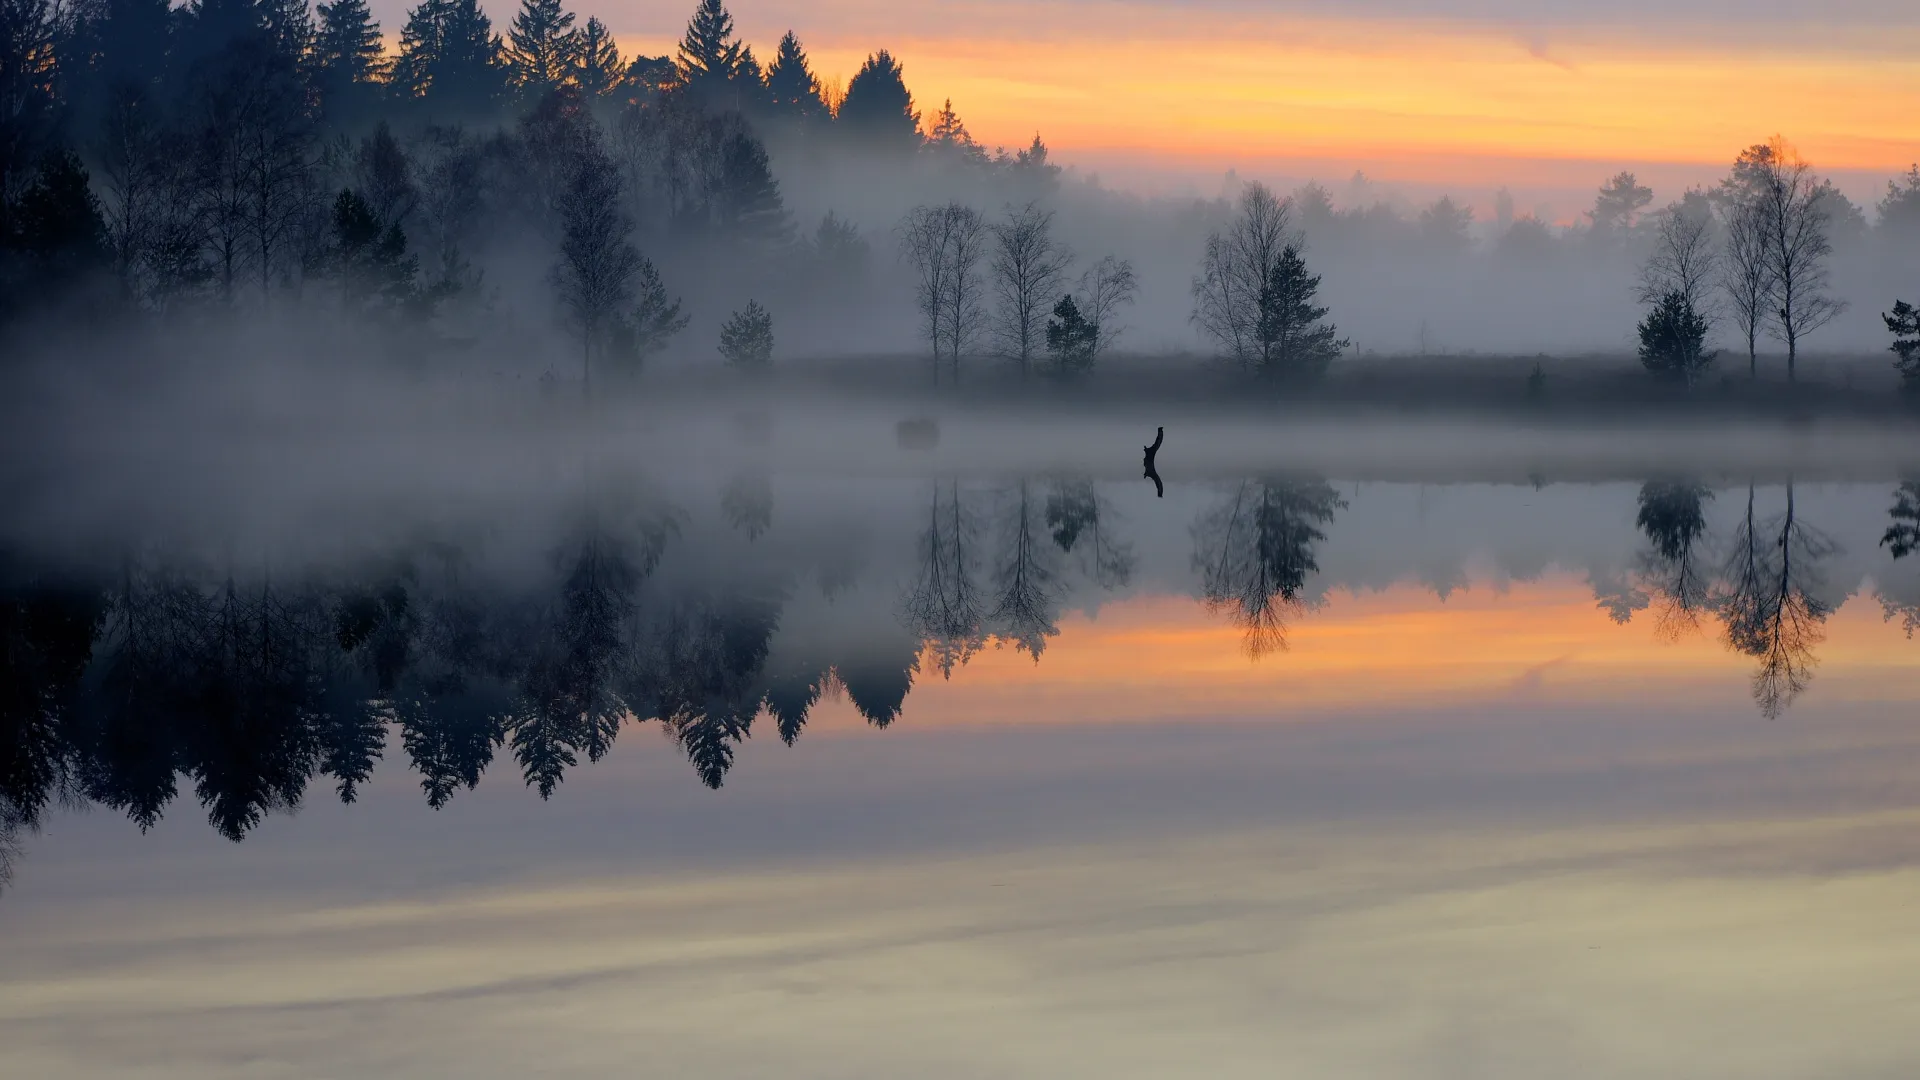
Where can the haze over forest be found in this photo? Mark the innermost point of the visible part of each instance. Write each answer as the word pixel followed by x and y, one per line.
pixel 507 191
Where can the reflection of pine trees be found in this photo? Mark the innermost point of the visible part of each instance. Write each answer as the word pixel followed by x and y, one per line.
pixel 1255 552
pixel 1082 524
pixel 1673 518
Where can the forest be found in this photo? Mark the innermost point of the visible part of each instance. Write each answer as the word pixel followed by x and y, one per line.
pixel 527 201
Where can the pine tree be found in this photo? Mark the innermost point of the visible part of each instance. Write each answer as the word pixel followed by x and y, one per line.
pixel 290 24
pixel 1071 338
pixel 710 53
pixel 347 50
pixel 597 67
pixel 1291 338
pixel 793 90
pixel 541 47
pixel 1904 324
pixel 449 56
pixel 878 105
pixel 746 340
pixel 1673 338
pixel 348 60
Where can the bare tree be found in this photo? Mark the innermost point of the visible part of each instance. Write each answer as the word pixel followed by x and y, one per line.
pixel 1683 259
pixel 1236 269
pixel 1744 275
pixel 1108 286
pixel 598 263
pixel 1027 578
pixel 1796 218
pixel 944 245
pixel 966 310
pixel 1255 553
pixel 1767 604
pixel 1028 267
pixel 944 608
pixel 924 237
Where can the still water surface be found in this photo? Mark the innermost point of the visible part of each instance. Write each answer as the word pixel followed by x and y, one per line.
pixel 961 775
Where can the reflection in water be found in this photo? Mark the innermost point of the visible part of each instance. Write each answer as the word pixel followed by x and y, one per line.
pixel 1673 517
pixel 248 685
pixel 1255 550
pixel 1766 606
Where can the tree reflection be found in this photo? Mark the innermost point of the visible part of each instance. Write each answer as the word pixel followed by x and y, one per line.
pixel 1255 552
pixel 1673 518
pixel 1025 576
pixel 1081 522
pixel 944 607
pixel 1902 538
pixel 1765 604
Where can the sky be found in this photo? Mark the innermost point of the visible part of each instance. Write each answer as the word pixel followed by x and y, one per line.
pixel 1543 97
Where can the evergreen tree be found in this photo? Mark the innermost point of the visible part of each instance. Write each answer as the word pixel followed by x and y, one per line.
pixel 597 67
pixel 1071 337
pixel 349 58
pixel 290 24
pixel 746 340
pixel 654 319
pixel 710 53
pixel 1291 338
pixel 371 261
pixel 792 89
pixel 1904 324
pixel 449 58
pixel 541 47
pixel 58 228
pixel 878 106
pixel 1673 338
pixel 949 135
pixel 29 39
pixel 208 26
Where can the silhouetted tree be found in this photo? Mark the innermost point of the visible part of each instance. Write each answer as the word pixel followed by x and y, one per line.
pixel 30 32
pixel 1290 336
pixel 58 227
pixel 1795 220
pixel 746 339
pixel 542 48
pixel 1673 339
pixel 1616 209
pixel 1071 338
pixel 944 245
pixel 1745 275
pixel 878 109
pixel 371 262
pixel 1237 271
pixel 792 88
pixel 644 329
pixel 1904 324
pixel 597 66
pixel 450 59
pixel 349 59
pixel 1683 258
pixel 1108 286
pixel 1028 266
pixel 711 56
pixel 598 264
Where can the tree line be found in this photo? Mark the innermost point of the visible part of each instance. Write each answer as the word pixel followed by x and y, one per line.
pixel 173 161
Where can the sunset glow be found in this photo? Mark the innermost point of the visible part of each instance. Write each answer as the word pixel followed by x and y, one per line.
pixel 1157 657
pixel 1416 98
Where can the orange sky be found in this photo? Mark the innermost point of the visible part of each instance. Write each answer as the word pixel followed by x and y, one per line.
pixel 1420 97
pixel 1166 657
